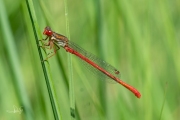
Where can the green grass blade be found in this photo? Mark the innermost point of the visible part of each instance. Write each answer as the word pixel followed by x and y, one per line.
pixel 14 62
pixel 165 93
pixel 46 70
pixel 71 81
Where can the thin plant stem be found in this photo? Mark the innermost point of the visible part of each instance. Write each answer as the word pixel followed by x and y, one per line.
pixel 165 93
pixel 46 70
pixel 13 62
pixel 71 81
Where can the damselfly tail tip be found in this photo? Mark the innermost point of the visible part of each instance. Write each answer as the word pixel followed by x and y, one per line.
pixel 137 94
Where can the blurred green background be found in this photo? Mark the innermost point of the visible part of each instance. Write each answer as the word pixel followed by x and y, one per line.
pixel 139 37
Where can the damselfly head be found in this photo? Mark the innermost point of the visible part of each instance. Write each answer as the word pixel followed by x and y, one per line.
pixel 48 31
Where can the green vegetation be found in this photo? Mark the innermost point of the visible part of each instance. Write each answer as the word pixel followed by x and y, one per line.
pixel 140 38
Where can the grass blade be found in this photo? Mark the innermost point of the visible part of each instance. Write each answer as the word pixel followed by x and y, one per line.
pixel 165 93
pixel 14 62
pixel 71 81
pixel 46 70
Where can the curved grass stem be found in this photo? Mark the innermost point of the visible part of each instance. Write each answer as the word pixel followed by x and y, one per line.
pixel 46 68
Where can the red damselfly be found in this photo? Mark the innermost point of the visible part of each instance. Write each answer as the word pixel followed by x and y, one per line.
pixel 55 41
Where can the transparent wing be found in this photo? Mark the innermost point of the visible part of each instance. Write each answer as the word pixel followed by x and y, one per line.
pixel 106 66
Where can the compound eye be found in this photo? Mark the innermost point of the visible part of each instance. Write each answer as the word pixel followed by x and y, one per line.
pixel 49 32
